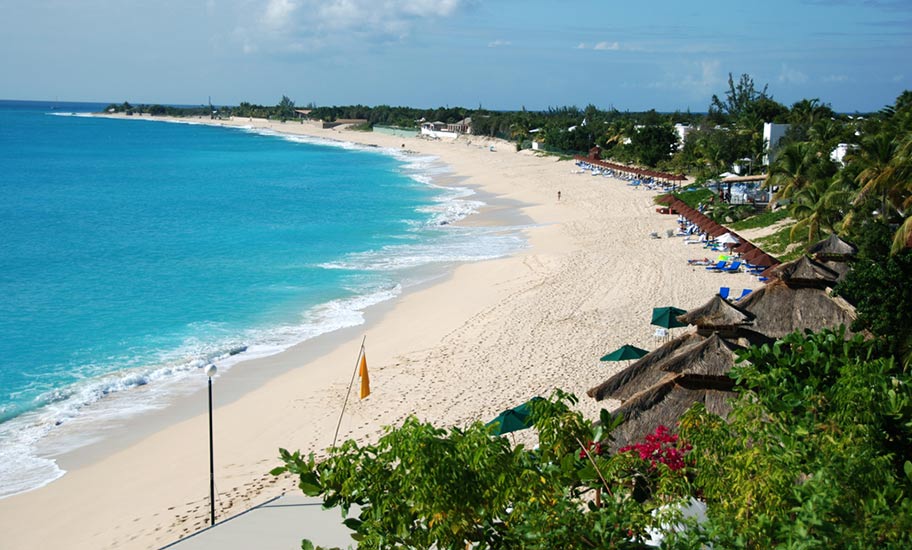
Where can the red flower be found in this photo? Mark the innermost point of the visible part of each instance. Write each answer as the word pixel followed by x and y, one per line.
pixel 660 446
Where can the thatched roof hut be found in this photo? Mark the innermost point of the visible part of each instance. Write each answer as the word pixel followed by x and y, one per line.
pixel 714 356
pixel 835 254
pixel 804 272
pixel 690 354
pixel 832 248
pixel 664 403
pixel 694 369
pixel 716 315
pixel 780 309
pixel 607 388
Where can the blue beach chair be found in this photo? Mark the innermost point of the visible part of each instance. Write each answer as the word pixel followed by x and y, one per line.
pixel 724 292
pixel 718 266
pixel 733 268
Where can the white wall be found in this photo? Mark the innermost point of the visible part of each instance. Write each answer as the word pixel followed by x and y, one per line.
pixel 772 133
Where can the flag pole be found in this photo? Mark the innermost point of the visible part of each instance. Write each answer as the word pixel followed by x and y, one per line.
pixel 352 383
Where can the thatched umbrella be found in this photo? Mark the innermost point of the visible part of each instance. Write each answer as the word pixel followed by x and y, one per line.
pixel 832 248
pixel 664 403
pixel 691 354
pixel 611 385
pixel 834 253
pixel 804 272
pixel 663 391
pixel 717 315
pixel 781 309
pixel 714 356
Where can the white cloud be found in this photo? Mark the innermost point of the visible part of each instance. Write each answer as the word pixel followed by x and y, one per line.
pixel 499 43
pixel 603 46
pixel 307 25
pixel 693 80
pixel 898 78
pixel 278 14
pixel 836 78
pixel 613 46
pixel 792 76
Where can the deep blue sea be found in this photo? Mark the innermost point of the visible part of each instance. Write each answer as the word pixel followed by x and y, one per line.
pixel 135 252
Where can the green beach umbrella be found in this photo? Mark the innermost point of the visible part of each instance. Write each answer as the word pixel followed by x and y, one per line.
pixel 625 353
pixel 515 419
pixel 667 317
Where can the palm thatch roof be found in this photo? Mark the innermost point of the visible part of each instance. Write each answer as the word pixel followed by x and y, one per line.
pixel 693 355
pixel 832 247
pixel 715 314
pixel 645 363
pixel 664 403
pixel 780 309
pixel 804 272
pixel 714 356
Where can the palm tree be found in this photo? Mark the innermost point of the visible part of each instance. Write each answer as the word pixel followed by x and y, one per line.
pixel 822 204
pixel 903 192
pixel 796 167
pixel 879 155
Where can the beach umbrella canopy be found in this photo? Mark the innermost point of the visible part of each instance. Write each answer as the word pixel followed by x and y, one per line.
pixel 625 353
pixel 515 419
pixel 728 239
pixel 667 317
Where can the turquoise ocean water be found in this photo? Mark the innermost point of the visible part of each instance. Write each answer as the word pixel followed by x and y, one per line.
pixel 133 253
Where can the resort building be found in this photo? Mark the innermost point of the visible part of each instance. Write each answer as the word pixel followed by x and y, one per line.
pixel 444 130
pixel 772 135
pixel 838 154
pixel 682 130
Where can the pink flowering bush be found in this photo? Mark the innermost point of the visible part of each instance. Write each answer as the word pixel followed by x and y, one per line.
pixel 662 446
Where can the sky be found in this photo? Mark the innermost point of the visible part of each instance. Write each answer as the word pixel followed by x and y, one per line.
pixel 500 54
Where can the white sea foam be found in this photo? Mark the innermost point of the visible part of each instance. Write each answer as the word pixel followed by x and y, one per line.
pixel 76 114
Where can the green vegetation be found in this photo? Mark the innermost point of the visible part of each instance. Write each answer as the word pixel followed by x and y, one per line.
pixel 780 245
pixel 814 454
pixel 763 219
pixel 694 195
pixel 881 292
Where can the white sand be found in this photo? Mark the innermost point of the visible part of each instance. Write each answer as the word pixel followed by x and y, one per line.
pixel 488 337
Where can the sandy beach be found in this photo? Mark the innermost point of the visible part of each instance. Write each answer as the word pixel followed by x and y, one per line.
pixel 488 336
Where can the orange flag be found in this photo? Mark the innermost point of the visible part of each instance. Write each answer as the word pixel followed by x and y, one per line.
pixel 365 380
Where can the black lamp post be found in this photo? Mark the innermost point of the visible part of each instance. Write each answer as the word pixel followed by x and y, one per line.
pixel 210 372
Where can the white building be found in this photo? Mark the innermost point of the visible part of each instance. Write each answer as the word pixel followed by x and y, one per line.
pixel 772 135
pixel 682 130
pixel 444 130
pixel 838 154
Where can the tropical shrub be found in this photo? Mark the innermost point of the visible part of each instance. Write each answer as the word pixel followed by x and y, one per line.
pixel 422 487
pixel 815 453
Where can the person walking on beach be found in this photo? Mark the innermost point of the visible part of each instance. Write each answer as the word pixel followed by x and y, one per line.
pixel 558 196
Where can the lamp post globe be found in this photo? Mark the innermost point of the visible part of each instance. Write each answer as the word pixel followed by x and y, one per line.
pixel 211 370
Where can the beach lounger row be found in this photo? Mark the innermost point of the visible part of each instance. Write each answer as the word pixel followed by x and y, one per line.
pixel 726 294
pixel 722 266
